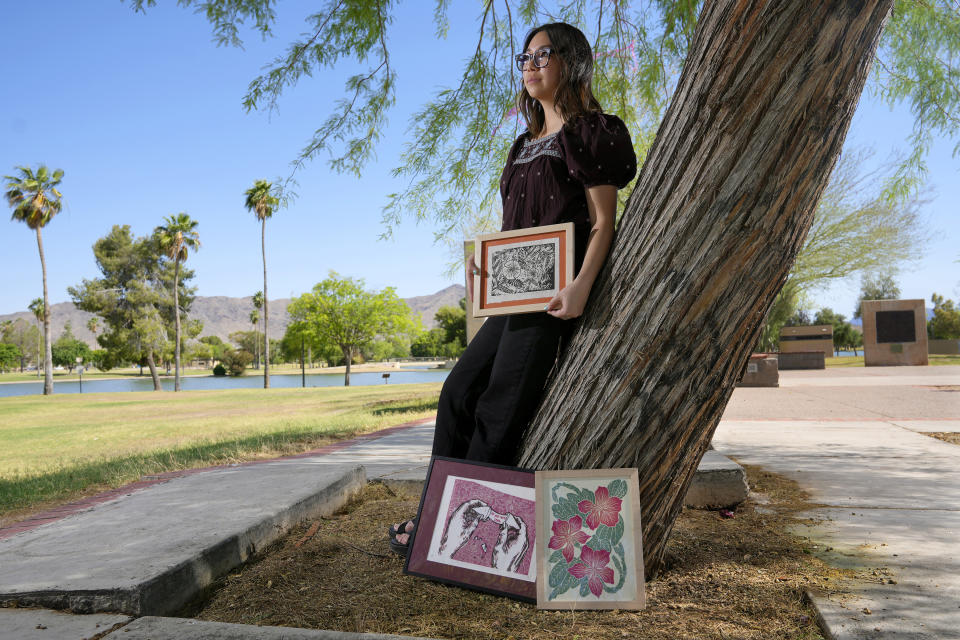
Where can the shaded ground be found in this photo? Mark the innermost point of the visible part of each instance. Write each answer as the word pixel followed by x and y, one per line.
pixel 739 577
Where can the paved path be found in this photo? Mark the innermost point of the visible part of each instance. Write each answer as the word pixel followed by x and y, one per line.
pixel 891 496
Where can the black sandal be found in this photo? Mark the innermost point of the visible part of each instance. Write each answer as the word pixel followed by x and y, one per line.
pixel 393 531
pixel 401 548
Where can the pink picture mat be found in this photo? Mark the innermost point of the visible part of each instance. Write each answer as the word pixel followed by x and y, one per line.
pixel 508 488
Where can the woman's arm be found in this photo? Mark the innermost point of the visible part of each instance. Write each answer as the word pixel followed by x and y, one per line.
pixel 602 207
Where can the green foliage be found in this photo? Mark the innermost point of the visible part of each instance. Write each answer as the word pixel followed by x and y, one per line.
pixel 133 295
pixel 219 370
pixel 446 341
pixel 341 312
pixel 428 344
pixel 917 64
pixel 315 348
pixel 67 349
pixel 250 341
pixel 460 136
pixel 177 236
pixel 856 229
pixel 386 348
pixel 261 200
pixel 453 322
pixel 9 356
pixel 784 307
pixel 217 346
pixel 945 323
pixel 33 195
pixel 876 285
pixel 236 361
pixel 103 360
pixel 844 334
pixel 25 337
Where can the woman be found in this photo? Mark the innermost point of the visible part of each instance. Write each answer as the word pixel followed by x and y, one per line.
pixel 566 167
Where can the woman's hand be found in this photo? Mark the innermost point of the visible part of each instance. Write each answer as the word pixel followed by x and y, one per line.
pixel 570 302
pixel 471 268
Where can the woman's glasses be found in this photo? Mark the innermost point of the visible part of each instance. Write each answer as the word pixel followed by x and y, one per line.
pixel 540 58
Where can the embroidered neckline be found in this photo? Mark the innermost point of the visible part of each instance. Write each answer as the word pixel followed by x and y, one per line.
pixel 540 140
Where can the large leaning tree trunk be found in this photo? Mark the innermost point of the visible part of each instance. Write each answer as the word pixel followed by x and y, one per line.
pixel 721 208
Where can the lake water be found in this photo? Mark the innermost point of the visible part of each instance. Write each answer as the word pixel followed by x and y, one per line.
pixel 193 383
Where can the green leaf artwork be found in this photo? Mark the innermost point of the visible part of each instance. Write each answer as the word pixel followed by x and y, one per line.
pixel 617 488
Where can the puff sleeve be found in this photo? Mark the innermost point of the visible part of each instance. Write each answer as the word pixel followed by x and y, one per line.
pixel 598 150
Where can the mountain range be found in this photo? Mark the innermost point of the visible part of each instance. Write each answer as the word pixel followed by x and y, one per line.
pixel 222 315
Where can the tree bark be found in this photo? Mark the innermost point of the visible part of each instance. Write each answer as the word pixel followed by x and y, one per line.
pixel 176 316
pixel 347 353
pixel 266 308
pixel 48 346
pixel 153 371
pixel 721 208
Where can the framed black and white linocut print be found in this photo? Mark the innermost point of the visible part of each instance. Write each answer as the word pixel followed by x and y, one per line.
pixel 476 528
pixel 589 546
pixel 520 271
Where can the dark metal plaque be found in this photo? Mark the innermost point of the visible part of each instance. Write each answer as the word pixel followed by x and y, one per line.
pixel 896 326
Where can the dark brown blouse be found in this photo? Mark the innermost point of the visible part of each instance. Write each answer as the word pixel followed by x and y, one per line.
pixel 544 180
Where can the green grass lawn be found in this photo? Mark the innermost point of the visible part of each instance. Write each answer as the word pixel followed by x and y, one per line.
pixel 59 447
pixel 857 361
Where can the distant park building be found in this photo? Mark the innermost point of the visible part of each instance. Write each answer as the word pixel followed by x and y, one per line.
pixel 818 337
pixel 894 332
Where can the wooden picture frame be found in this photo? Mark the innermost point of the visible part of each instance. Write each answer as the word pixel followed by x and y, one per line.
pixel 476 528
pixel 522 270
pixel 589 540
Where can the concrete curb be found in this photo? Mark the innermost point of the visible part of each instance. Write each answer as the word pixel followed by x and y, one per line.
pixel 718 482
pixel 813 599
pixel 176 586
pixel 153 628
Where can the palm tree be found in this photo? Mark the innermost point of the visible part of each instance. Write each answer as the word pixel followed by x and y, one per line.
pixel 175 238
pixel 261 201
pixel 36 307
pixel 35 201
pixel 255 321
pixel 257 305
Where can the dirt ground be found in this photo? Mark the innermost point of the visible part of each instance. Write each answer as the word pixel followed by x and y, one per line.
pixel 724 578
pixel 953 438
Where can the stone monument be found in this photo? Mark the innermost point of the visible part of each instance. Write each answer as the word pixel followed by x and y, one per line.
pixel 894 332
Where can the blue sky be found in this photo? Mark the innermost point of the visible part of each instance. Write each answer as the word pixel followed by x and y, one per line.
pixel 144 114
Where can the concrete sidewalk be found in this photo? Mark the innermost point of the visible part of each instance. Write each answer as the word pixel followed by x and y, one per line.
pixel 890 496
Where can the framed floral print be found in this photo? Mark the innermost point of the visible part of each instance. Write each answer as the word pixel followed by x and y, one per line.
pixel 520 271
pixel 589 547
pixel 476 528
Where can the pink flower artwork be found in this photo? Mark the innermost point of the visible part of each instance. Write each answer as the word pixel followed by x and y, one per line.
pixel 593 566
pixel 605 509
pixel 567 533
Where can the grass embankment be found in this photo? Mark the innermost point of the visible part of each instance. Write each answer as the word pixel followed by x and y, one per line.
pixel 857 361
pixel 57 448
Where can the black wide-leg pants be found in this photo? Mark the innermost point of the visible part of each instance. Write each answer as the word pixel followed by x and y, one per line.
pixel 493 391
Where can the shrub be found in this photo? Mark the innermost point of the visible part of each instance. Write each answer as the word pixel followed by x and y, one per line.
pixel 219 370
pixel 236 361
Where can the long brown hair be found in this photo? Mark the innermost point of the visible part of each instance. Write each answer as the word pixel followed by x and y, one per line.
pixel 574 95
